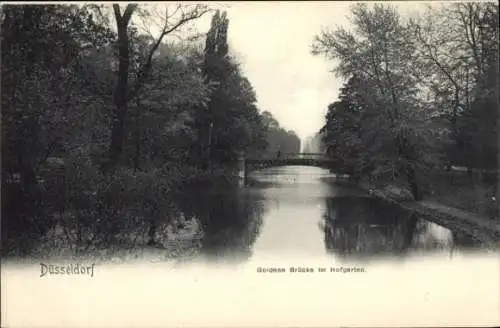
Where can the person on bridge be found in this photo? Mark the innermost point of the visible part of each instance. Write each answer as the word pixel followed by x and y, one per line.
pixel 278 154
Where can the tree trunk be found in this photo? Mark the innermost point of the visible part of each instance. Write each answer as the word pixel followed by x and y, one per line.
pixel 412 181
pixel 116 146
pixel 209 144
pixel 121 90
pixel 151 233
pixel 409 232
pixel 137 136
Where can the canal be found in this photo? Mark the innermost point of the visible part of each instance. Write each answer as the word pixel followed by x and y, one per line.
pixel 289 213
pixel 304 212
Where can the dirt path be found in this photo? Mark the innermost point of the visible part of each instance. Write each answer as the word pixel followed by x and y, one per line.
pixel 484 230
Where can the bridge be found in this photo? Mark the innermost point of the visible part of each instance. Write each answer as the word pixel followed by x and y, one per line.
pixel 248 165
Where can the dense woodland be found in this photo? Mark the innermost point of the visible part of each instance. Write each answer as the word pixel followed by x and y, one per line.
pixel 104 123
pixel 420 96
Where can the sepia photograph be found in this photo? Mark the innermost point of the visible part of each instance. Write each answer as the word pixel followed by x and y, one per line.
pixel 250 164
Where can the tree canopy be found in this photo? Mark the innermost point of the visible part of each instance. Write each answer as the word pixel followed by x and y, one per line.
pixel 131 116
pixel 420 93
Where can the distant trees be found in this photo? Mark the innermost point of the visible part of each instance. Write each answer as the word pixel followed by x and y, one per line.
pixel 278 139
pixel 402 75
pixel 314 144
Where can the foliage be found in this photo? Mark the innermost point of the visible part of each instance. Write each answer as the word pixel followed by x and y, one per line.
pixel 231 122
pixel 278 139
pixel 416 97
pixel 459 49
pixel 101 122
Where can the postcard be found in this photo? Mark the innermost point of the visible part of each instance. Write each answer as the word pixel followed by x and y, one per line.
pixel 250 164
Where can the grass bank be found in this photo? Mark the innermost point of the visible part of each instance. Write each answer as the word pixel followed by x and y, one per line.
pixel 452 200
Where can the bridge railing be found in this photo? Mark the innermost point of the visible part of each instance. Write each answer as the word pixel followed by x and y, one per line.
pixel 285 156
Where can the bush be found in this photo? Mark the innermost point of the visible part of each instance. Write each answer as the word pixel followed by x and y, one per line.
pixel 96 210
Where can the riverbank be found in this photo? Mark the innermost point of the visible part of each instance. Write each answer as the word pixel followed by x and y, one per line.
pixel 484 229
pixel 178 238
pixel 84 212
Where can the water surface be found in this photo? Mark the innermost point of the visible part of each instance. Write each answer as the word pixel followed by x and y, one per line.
pixel 300 212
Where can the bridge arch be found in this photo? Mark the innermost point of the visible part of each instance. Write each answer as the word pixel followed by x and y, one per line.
pixel 248 165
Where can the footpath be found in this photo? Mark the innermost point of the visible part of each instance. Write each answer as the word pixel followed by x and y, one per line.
pixel 484 229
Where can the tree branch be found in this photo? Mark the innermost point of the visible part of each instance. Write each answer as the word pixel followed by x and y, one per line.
pixel 127 14
pixel 129 11
pixel 116 10
pixel 196 13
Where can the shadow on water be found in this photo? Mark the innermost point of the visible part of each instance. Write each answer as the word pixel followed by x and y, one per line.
pixel 366 227
pixel 230 219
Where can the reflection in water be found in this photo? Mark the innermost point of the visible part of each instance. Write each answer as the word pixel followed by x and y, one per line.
pixel 365 226
pixel 276 215
pixel 230 221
